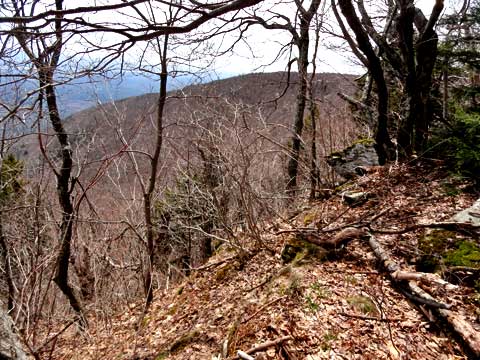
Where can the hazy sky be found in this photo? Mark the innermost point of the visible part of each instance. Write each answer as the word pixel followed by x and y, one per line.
pixel 262 45
pixel 329 60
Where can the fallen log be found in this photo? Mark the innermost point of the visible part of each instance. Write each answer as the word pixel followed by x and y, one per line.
pixel 458 323
pixel 449 225
pixel 341 239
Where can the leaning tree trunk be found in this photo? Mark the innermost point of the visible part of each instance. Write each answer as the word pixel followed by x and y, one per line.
pixel 45 57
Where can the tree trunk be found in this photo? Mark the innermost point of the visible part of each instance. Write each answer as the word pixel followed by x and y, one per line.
pixel 314 172
pixel 384 145
pixel 302 42
pixel 405 31
pixel 292 167
pixel 426 57
pixel 64 196
pixel 5 256
pixel 420 60
pixel 147 196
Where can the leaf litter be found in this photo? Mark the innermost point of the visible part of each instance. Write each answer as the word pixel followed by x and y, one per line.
pixel 337 308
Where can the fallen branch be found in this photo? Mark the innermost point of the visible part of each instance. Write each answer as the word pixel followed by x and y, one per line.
pixel 325 229
pixel 419 299
pixel 244 356
pixel 452 226
pixel 262 347
pixel 424 278
pixel 215 264
pixel 457 322
pixel 341 239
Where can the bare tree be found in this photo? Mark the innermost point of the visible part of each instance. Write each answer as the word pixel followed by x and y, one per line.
pixel 44 52
pixel 301 39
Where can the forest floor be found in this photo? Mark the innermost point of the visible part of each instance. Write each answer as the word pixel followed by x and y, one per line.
pixel 340 306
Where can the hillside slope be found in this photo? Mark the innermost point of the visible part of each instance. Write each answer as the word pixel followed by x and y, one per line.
pixel 339 305
pixel 254 111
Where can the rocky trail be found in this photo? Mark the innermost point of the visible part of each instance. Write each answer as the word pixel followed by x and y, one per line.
pixel 320 292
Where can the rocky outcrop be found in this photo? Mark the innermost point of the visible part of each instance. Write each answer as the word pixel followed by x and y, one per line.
pixel 352 161
pixel 10 345
pixel 470 215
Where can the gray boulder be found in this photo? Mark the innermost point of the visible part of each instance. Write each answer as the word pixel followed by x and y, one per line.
pixel 10 346
pixel 352 161
pixel 470 215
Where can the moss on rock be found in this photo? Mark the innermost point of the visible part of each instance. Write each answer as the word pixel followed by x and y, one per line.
pixel 466 253
pixel 441 248
pixel 297 250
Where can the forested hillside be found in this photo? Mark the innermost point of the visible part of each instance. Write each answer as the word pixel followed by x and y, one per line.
pixel 294 214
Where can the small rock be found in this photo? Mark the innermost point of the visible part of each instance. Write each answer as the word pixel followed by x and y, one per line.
pixel 355 198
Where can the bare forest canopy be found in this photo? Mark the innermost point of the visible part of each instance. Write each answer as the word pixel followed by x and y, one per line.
pixel 108 199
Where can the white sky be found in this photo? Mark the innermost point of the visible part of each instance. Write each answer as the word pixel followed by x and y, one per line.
pixel 264 44
pixel 328 60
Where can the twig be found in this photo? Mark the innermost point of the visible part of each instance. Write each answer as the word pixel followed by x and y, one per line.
pixel 324 230
pixel 263 346
pixel 70 323
pixel 369 317
pixel 362 272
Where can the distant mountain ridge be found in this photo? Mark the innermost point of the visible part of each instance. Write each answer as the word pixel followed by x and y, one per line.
pixel 258 108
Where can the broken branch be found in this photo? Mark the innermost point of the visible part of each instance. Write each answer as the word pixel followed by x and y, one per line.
pixel 263 347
